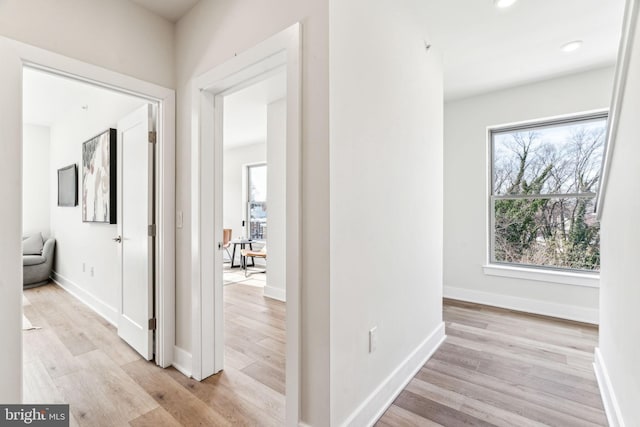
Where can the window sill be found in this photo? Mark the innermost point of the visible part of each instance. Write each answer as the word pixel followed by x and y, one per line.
pixel 590 280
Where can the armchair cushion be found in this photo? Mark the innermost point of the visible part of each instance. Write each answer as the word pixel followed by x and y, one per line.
pixel 33 260
pixel 32 244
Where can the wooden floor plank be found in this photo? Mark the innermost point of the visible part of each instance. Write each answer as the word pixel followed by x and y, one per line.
pixel 505 368
pixel 268 375
pixel 182 405
pixel 102 394
pixel 155 418
pixel 77 358
pixel 232 403
pixel 434 411
pixel 399 417
pixel 496 368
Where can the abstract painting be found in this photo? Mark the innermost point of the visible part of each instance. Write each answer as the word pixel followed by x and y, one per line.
pixel 99 178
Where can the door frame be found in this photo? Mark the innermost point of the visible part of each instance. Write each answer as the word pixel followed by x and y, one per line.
pixel 282 49
pixel 44 60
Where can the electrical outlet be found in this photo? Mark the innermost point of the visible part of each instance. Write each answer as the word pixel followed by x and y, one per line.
pixel 373 339
pixel 179 219
pixel 91 271
pixel 84 267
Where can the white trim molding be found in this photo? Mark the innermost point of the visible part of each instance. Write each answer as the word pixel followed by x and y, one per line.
pixel 590 280
pixel 611 406
pixel 182 360
pixel 275 293
pixel 376 404
pixel 108 313
pixel 544 308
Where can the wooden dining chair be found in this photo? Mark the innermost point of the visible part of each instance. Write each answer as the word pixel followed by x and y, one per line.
pixel 246 253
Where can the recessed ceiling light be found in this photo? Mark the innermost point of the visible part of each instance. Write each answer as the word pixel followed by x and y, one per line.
pixel 571 46
pixel 503 3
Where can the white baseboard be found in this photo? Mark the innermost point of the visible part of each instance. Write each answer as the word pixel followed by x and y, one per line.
pixel 562 311
pixel 611 407
pixel 182 360
pixel 383 396
pixel 275 293
pixel 110 314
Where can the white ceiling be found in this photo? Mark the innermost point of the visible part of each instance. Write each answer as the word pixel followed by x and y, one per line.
pixel 49 99
pixel 172 10
pixel 485 48
pixel 245 111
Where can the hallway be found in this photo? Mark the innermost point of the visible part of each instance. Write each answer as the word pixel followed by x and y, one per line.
pixel 504 368
pixel 497 367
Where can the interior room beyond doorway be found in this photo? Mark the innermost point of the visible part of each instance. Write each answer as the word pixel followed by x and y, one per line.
pixel 254 135
pixel 71 125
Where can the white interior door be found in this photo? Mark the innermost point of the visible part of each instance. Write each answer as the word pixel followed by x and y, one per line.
pixel 135 216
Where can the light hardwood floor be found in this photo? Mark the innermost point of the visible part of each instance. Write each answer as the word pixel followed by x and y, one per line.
pixel 504 368
pixel 77 358
pixel 497 367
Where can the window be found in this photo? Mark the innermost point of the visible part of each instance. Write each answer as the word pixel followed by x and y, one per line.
pixel 257 202
pixel 545 177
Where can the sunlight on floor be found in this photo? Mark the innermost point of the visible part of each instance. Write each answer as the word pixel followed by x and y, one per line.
pixel 236 275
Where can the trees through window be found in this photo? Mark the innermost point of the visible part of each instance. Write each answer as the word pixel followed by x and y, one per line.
pixel 257 202
pixel 545 177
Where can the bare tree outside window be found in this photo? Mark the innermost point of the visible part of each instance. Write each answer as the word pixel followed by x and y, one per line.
pixel 544 183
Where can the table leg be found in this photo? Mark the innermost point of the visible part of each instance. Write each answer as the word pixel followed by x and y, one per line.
pixel 233 257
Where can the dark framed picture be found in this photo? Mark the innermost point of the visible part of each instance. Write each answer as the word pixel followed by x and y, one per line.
pixel 68 186
pixel 99 178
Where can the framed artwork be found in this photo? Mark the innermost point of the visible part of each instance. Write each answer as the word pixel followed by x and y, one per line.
pixel 99 178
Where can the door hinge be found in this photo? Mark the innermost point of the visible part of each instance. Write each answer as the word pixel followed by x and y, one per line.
pixel 153 136
pixel 152 230
pixel 153 324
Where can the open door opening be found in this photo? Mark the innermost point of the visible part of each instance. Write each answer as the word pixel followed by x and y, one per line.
pixel 221 316
pixel 88 152
pixel 252 207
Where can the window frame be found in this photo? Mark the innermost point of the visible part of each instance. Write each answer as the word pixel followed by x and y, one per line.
pixel 532 271
pixel 247 199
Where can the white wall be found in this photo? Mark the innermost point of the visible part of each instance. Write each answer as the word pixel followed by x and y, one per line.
pixel 619 290
pixel 466 192
pixel 108 33
pixel 114 34
pixel 235 161
pixel 36 178
pixel 386 107
pixel 276 202
pixel 210 34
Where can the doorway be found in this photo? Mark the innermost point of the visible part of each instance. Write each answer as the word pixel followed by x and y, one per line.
pixel 88 198
pixel 280 52
pixel 15 56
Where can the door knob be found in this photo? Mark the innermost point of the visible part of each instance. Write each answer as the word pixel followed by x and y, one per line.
pixel 117 239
